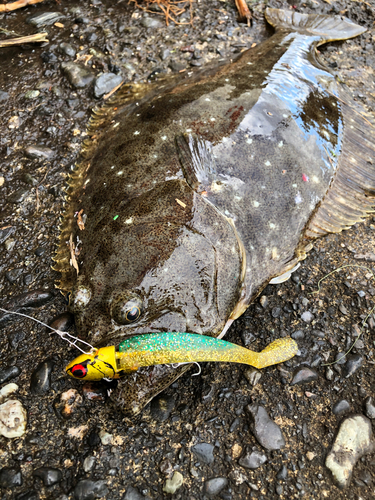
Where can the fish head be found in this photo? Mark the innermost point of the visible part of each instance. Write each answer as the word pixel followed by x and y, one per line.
pixel 169 262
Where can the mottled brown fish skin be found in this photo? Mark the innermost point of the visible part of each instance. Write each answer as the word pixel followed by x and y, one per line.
pixel 195 193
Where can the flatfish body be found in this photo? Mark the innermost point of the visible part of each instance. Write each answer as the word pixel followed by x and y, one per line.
pixel 196 192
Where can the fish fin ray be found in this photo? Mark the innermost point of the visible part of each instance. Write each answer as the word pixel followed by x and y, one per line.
pixel 327 27
pixel 351 195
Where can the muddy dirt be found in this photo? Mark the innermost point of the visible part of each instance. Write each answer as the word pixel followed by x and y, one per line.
pixel 95 452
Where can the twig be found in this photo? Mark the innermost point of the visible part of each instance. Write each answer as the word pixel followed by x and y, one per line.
pixel 38 37
pixel 8 7
pixel 243 11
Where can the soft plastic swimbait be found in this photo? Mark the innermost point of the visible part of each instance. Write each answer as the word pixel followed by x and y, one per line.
pixel 173 347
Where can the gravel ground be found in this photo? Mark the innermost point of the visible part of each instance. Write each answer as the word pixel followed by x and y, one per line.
pixel 221 433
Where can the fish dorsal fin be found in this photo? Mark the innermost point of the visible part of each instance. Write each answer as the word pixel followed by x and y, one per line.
pixel 327 27
pixel 351 195
pixel 197 160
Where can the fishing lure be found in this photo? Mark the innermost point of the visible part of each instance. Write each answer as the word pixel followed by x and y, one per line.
pixel 170 348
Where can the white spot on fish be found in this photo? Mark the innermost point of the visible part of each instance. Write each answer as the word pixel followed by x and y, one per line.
pixel 212 119
pixel 267 163
pixel 315 179
pixel 256 204
pixel 188 130
pixel 155 156
pixel 249 141
pixel 120 173
pixel 285 116
pixel 249 63
pixel 129 221
pixel 281 144
pixel 294 185
pixel 116 124
pixel 238 198
pixel 272 225
pixel 137 132
pixel 112 167
pixel 227 80
pixel 275 254
pixel 207 99
pixel 164 138
pixel 298 198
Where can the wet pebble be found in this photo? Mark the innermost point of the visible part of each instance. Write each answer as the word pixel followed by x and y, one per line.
pixel 298 335
pixel 353 441
pixel 133 494
pixel 303 375
pixel 13 275
pixel 70 401
pixel 105 83
pixel 32 94
pixel 253 376
pixel 13 418
pixel 10 478
pixel 266 431
pixel 307 316
pixel 152 22
pixel 94 391
pixel 215 485
pixel 9 244
pixel 44 18
pixel 253 460
pixel 89 490
pixel 340 407
pixel 67 49
pixel 63 322
pixel 164 54
pixel 39 152
pixel 370 407
pixel 9 373
pixel 88 464
pixel 172 485
pixel 79 76
pixel 264 301
pixel 105 437
pixel 283 473
pixel 33 298
pixel 3 95
pixel 48 475
pixel 41 378
pixel 176 66
pixel 161 407
pixel 354 361
pixel 5 233
pixel 204 452
pixel 14 122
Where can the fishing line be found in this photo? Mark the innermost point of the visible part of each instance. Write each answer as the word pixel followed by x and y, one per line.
pixel 63 335
pixel 366 318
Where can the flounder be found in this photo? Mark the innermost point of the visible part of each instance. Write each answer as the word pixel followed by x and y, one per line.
pixel 196 192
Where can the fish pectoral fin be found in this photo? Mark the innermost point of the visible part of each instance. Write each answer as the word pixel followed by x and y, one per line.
pixel 327 27
pixel 197 161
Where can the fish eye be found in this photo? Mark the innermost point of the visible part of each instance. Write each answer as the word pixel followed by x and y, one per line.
pixel 126 311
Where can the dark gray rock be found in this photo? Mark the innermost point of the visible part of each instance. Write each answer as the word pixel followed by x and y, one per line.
pixel 48 475
pixel 39 152
pixel 79 76
pixel 340 407
pixel 354 361
pixel 253 460
pixel 370 407
pixel 299 334
pixel 303 375
pixel 18 196
pixel 67 49
pixel 151 22
pixel 213 486
pixel 10 477
pixel 63 322
pixel 161 407
pixel 27 495
pixel 5 233
pixel 266 431
pixel 105 83
pixel 13 275
pixel 307 316
pixel 89 490
pixel 3 95
pixel 164 54
pixel 40 379
pixel 176 66
pixel 252 375
pixel 283 473
pixel 44 18
pixel 204 452
pixel 132 494
pixel 9 373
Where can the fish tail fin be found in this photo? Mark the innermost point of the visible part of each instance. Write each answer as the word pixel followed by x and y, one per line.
pixel 329 28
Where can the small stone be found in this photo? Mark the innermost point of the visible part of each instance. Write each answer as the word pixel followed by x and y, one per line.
pixel 14 122
pixel 307 316
pixel 310 455
pixel 2 181
pixel 340 407
pixel 9 244
pixel 343 309
pixel 283 473
pixel 253 376
pixel 63 321
pixel 164 54
pixel 298 335
pixel 276 311
pixel 9 478
pixel 105 437
pixel 264 301
pixel 89 490
pixel 44 18
pixel 48 475
pixel 5 233
pixel 70 401
pixel 12 419
pixel 7 390
pixel 161 407
pixel 329 373
pixel 204 452
pixel 303 375
pixel 79 76
pixel 370 407
pixel 32 94
pixel 133 494
pixel 172 485
pixel 41 378
pixel 105 83
pixel 18 196
pixel 3 95
pixel 353 441
pixel 354 361
pixel 94 391
pixel 67 49
pixel 39 152
pixel 9 373
pixel 266 432
pixel 176 66
pixel 151 22
pixel 13 275
pixel 88 464
pixel 253 460
pixel 213 486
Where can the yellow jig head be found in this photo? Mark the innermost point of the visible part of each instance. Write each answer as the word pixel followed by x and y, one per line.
pixel 96 365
